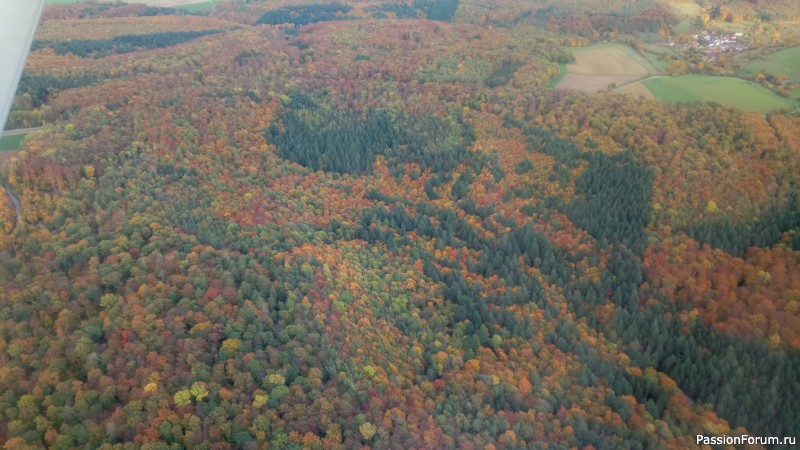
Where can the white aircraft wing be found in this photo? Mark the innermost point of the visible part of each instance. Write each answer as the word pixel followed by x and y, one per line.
pixel 18 22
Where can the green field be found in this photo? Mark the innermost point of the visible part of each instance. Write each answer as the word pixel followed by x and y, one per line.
pixel 727 91
pixel 11 142
pixel 687 9
pixel 196 7
pixel 744 26
pixel 659 56
pixel 785 62
pixel 562 70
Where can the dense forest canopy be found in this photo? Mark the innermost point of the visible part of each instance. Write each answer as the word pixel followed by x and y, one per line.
pixel 379 224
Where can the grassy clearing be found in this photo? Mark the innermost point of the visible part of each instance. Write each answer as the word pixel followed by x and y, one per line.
pixel 728 91
pixel 196 7
pixel 687 9
pixel 9 147
pixel 594 83
pixel 784 62
pixel 744 26
pixel 683 26
pixel 635 89
pixel 659 56
pixel 562 70
pixel 687 12
pixel 10 143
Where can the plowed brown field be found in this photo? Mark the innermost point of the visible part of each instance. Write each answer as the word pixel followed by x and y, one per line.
pixel 597 68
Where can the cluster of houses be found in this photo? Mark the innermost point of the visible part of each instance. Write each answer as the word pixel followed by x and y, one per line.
pixel 714 43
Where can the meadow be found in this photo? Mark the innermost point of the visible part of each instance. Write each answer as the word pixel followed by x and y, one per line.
pixel 9 146
pixel 562 72
pixel 784 62
pixel 598 67
pixel 659 56
pixel 686 9
pixel 728 91
pixel 11 142
pixel 195 7
pixel 636 89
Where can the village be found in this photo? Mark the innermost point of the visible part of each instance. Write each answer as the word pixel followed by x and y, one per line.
pixel 713 43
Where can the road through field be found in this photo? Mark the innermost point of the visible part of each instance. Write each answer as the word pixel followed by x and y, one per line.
pixel 19 131
pixel 636 89
pixel 596 69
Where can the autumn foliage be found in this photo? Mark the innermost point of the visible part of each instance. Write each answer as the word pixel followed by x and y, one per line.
pixel 387 233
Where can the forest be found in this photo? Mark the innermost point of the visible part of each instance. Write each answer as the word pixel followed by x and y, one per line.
pixel 379 225
pixel 121 44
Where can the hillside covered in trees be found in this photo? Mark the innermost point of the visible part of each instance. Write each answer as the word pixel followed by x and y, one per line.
pixel 304 225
